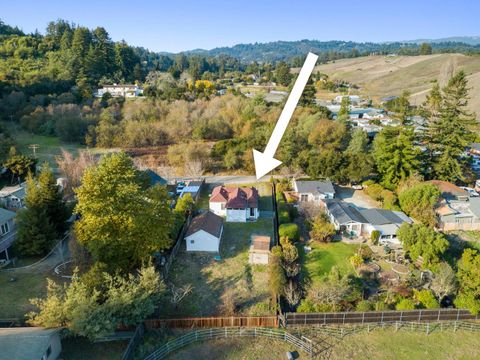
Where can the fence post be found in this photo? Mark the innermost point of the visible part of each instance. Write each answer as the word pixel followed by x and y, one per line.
pixel 455 326
pixel 428 328
pixel 363 318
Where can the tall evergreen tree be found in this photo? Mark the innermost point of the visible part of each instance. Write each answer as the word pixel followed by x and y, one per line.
pixel 450 128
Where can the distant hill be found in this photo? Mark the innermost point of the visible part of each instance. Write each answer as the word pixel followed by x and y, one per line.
pixel 381 76
pixel 469 40
pixel 330 50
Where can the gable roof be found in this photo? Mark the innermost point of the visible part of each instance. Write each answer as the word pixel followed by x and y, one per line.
pixel 25 343
pixel 384 217
pixel 314 187
pixel 449 191
pixel 208 222
pixel 343 212
pixel 16 190
pixel 235 197
pixel 155 178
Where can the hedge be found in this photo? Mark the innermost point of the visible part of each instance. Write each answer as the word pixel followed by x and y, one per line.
pixel 289 230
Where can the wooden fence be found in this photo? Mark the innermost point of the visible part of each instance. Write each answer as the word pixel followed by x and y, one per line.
pixel 308 319
pixel 214 322
pixel 211 334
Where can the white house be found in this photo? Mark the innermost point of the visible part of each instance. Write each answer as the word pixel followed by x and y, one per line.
pixel 259 250
pixel 127 90
pixel 235 203
pixel 313 191
pixel 354 99
pixel 7 231
pixel 13 197
pixel 204 233
pixel 362 222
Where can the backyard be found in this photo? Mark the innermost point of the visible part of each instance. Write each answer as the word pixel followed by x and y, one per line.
pixel 81 348
pixel 17 288
pixel 323 256
pixel 211 274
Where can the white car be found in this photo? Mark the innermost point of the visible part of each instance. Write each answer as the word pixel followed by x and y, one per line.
pixel 357 186
pixel 470 191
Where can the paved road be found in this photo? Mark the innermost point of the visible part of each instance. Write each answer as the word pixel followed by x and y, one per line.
pixel 229 179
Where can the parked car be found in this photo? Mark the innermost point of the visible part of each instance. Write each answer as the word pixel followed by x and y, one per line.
pixel 357 186
pixel 477 185
pixel 470 191
pixel 180 186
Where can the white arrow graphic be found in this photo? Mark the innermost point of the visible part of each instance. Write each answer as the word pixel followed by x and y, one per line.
pixel 265 162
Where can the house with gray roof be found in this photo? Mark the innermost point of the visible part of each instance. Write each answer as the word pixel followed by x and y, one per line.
pixel 7 231
pixel 13 197
pixel 362 222
pixel 28 343
pixel 313 190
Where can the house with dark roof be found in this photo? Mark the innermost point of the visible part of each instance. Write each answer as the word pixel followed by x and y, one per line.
pixel 27 343
pixel 313 190
pixel 354 222
pixel 204 233
pixel 236 204
pixel 456 210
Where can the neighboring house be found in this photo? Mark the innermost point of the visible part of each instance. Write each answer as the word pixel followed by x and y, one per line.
pixel 115 90
pixel 30 343
pixel 345 217
pixel 155 179
pixel 354 99
pixel 237 204
pixel 204 233
pixel 13 197
pixel 192 188
pixel 354 222
pixel 474 153
pixel 313 191
pixel 259 250
pixel 7 231
pixel 456 210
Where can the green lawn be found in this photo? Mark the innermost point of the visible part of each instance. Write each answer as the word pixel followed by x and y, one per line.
pixel 48 146
pixel 81 348
pixel 404 345
pixel 323 256
pixel 15 295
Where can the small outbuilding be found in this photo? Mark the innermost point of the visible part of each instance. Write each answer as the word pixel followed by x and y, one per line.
pixel 204 233
pixel 27 343
pixel 259 250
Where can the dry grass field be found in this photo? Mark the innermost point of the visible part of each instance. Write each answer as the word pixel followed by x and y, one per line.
pixel 379 76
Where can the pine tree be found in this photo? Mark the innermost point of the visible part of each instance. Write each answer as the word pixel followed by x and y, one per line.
pixel 36 234
pixel 450 127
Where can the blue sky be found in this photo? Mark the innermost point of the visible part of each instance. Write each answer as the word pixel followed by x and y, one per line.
pixel 186 24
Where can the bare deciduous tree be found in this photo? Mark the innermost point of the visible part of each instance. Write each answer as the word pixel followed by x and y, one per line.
pixel 73 167
pixel 179 293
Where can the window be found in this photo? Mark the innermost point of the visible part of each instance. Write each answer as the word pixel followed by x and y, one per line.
pixel 192 241
pixel 222 206
pixel 304 197
pixel 252 211
pixel 4 229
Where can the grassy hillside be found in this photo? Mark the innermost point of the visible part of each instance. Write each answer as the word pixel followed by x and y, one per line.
pixel 379 76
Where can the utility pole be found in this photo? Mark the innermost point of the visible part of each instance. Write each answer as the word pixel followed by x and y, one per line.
pixel 34 148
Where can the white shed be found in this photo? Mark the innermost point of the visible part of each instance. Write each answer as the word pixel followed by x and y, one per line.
pixel 204 233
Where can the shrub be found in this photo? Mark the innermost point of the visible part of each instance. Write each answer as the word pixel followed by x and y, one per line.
pixel 374 191
pixel 405 304
pixel 289 230
pixel 292 212
pixel 375 236
pixel 356 260
pixel 364 305
pixel 426 299
pixel 365 252
pixel 283 216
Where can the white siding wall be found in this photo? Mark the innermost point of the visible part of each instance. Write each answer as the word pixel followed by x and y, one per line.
pixel 237 215
pixel 202 241
pixel 216 208
pixel 258 258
